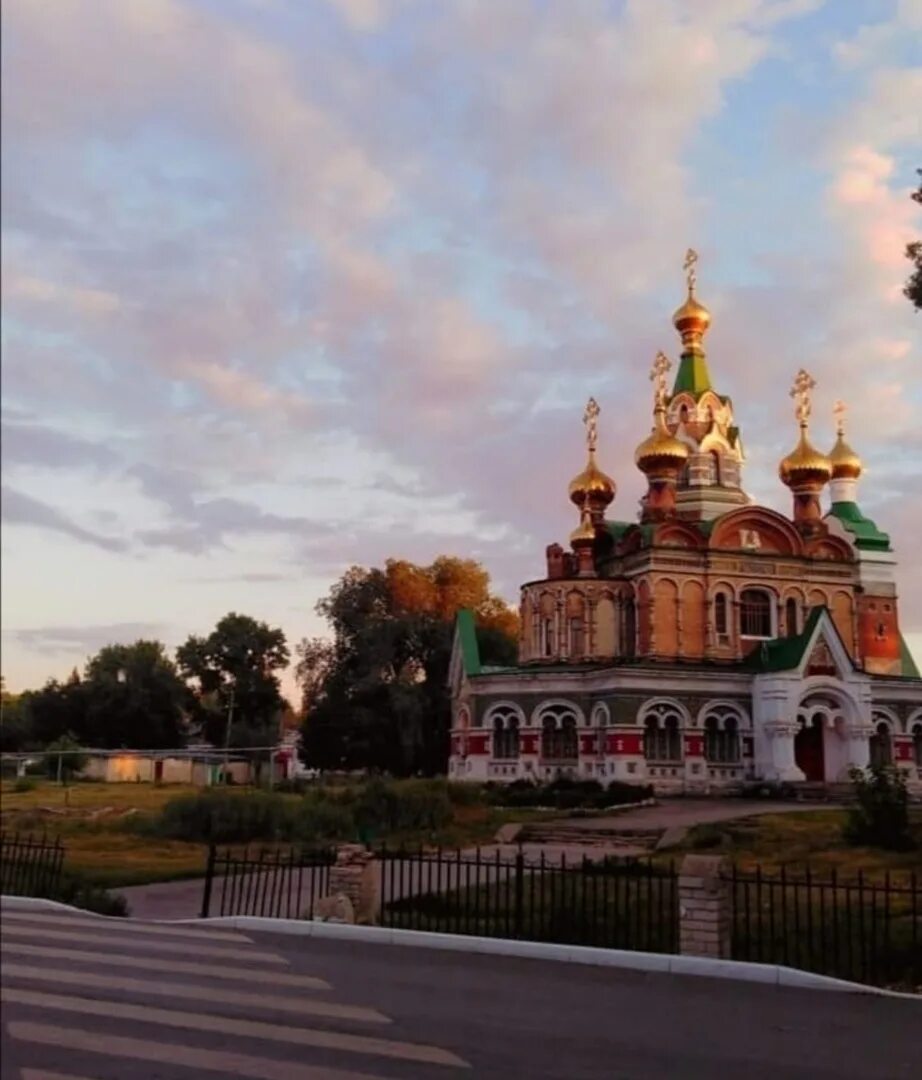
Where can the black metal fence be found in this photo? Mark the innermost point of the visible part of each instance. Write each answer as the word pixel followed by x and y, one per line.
pixel 29 865
pixel 868 931
pixel 276 884
pixel 617 903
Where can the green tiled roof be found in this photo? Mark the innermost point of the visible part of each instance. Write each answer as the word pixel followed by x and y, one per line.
pixel 693 376
pixel 617 529
pixel 467 634
pixel 785 653
pixel 909 668
pixel 867 535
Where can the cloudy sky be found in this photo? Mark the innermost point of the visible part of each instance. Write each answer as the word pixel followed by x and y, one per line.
pixel 293 284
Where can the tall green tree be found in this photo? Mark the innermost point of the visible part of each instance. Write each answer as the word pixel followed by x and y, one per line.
pixel 913 289
pixel 375 695
pixel 15 725
pixel 130 696
pixel 234 680
pixel 134 698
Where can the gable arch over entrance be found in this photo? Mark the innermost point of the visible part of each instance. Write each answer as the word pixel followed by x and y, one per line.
pixel 831 734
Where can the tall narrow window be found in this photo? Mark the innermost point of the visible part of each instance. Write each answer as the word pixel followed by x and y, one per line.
pixel 721 740
pixel 713 467
pixel 917 745
pixel 720 614
pixel 791 616
pixel 662 738
pixel 881 752
pixel 755 614
pixel 577 638
pixel 548 636
pixel 630 627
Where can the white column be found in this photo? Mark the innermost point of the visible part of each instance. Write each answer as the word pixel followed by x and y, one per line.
pixel 858 750
pixel 783 764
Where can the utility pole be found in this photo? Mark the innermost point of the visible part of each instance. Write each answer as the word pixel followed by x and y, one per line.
pixel 227 734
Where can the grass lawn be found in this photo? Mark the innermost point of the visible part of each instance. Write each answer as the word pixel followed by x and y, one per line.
pixel 804 838
pixel 91 821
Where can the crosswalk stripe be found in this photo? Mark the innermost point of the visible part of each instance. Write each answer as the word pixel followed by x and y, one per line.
pixel 119 926
pixel 90 980
pixel 255 1029
pixel 222 1061
pixel 174 967
pixel 188 948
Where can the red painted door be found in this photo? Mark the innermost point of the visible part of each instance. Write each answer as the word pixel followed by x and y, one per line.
pixel 808 752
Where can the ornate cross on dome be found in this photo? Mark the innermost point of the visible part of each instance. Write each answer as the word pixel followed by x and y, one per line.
pixel 800 392
pixel 590 419
pixel 658 373
pixel 838 411
pixel 691 274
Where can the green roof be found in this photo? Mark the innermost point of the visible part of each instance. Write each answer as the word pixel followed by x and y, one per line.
pixel 867 535
pixel 909 668
pixel 693 376
pixel 785 653
pixel 617 529
pixel 467 635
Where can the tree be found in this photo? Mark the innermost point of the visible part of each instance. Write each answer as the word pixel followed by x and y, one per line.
pixel 15 725
pixel 376 695
pixel 233 672
pixel 130 696
pixel 913 289
pixel 134 698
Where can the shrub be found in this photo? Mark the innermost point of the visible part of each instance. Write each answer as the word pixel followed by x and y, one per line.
pixel 564 794
pixel 322 819
pixel 83 894
pixel 63 756
pixel 220 817
pixel 401 805
pixel 880 814
pixel 23 784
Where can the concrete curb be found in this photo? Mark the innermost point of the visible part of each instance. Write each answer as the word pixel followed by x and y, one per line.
pixel 658 963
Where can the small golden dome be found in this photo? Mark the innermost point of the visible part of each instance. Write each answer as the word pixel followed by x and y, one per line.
pixel 584 533
pixel 846 465
pixel 592 484
pixel 691 317
pixel 804 463
pixel 660 448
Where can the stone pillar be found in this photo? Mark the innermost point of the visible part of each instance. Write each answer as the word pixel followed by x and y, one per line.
pixel 784 765
pixel 858 747
pixel 355 875
pixel 704 908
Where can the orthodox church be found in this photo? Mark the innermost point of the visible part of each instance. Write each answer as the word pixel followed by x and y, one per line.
pixel 712 643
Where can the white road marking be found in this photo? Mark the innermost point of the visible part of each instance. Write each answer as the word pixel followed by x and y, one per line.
pixel 187 948
pixel 255 1029
pixel 81 979
pixel 121 925
pixel 173 967
pixel 221 1061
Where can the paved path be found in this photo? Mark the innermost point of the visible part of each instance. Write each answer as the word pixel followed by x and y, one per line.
pixel 159 1002
pixel 676 813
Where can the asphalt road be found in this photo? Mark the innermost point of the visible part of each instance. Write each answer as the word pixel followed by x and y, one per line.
pixel 91 1000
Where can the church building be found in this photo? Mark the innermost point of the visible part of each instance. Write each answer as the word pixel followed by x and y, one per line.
pixel 712 643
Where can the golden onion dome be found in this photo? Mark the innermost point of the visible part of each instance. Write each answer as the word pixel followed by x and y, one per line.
pixel 660 448
pixel 691 317
pixel 804 463
pixel 584 533
pixel 592 484
pixel 844 461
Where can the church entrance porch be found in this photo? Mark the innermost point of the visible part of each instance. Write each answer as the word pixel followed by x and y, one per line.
pixel 808 752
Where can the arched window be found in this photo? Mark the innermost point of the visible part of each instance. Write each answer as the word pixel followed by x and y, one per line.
pixel 755 614
pixel 662 736
pixel 506 737
pixel 558 735
pixel 792 617
pixel 721 739
pixel 917 745
pixel 547 636
pixel 720 614
pixel 880 747
pixel 683 414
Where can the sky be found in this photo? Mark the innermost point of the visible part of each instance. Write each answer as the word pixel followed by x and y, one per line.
pixel 290 285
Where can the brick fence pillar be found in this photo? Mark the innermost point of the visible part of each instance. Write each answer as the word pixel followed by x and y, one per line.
pixel 355 874
pixel 704 907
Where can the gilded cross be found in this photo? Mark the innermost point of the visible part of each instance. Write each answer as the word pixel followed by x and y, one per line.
pixel 800 391
pixel 658 372
pixel 591 420
pixel 691 274
pixel 838 411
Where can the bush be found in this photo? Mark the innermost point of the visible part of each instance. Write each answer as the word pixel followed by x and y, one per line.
pixel 219 817
pixel 402 805
pixel 23 784
pixel 880 814
pixel 83 894
pixel 565 794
